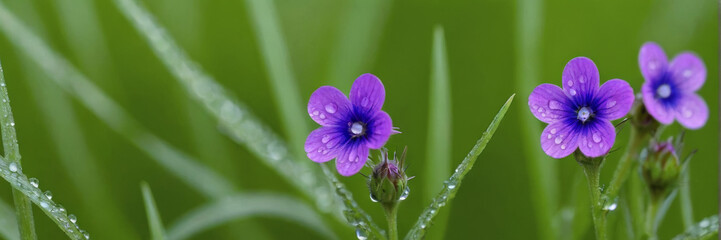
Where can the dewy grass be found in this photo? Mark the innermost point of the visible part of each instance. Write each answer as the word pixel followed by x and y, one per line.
pixel 438 157
pixel 453 183
pixel 542 174
pixel 248 205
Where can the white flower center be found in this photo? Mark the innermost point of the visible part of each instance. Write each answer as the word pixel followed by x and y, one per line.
pixel 357 128
pixel 663 91
pixel 584 114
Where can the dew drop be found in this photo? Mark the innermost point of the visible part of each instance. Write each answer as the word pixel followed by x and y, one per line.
pixel 553 131
pixel 550 136
pixel 581 79
pixel 611 104
pixel 73 218
pixel 44 205
pixel 85 234
pixel 610 207
pixel 451 186
pixel 553 104
pixel 61 209
pixel 596 138
pixel 49 195
pixel 331 108
pixel 570 83
pixel 704 223
pixel 687 73
pixel 558 140
pixel 572 92
pixel 12 124
pixel 652 65
pixel 543 114
pixel 405 194
pixel 35 182
pixel 373 198
pixel 563 146
pixel 365 102
pixel 360 234
pixel 316 113
pixel 322 116
pixel 325 138
pixel 13 167
pixel 687 113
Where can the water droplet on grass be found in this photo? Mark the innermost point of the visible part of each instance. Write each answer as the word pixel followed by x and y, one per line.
pixel 13 167
pixel 49 195
pixel 73 218
pixel 360 234
pixel 405 194
pixel 35 182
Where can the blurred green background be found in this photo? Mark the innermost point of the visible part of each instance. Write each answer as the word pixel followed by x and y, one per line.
pixel 393 42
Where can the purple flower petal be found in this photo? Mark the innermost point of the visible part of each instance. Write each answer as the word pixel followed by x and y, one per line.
pixel 323 143
pixel 597 138
pixel 652 61
pixel 548 103
pixel 367 93
pixel 656 108
pixel 328 106
pixel 688 72
pixel 559 139
pixel 351 159
pixel 380 131
pixel 614 99
pixel 691 111
pixel 580 79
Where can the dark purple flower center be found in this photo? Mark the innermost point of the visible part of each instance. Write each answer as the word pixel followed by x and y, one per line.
pixel 357 129
pixel 665 90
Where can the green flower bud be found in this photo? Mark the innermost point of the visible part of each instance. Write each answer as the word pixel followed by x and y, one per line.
pixel 661 168
pixel 641 119
pixel 388 183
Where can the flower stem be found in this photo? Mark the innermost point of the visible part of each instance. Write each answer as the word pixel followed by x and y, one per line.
pixel 651 212
pixel 625 164
pixel 391 211
pixel 592 169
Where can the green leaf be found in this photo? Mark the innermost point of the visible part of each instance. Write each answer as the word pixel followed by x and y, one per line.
pixel 157 231
pixel 705 229
pixel 439 141
pixel 77 85
pixel 8 222
pixel 454 182
pixel 542 173
pixel 248 205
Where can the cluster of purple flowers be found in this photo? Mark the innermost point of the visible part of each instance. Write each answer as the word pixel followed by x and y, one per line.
pixel 579 114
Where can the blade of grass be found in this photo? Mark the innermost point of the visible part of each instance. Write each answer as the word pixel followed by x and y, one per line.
pixel 685 199
pixel 277 62
pixel 8 222
pixel 54 211
pixel 157 231
pixel 705 229
pixel 241 124
pixel 77 85
pixel 581 211
pixel 452 185
pixel 438 142
pixel 542 171
pixel 23 209
pixel 358 34
pixel 248 205
pixel 69 140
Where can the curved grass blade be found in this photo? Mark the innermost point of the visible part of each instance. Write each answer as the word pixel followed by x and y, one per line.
pixel 23 209
pixel 705 229
pixel 541 173
pixel 13 174
pixel 453 183
pixel 77 85
pixel 438 150
pixel 238 120
pixel 245 206
pixel 355 216
pixel 8 222
pixel 357 40
pixel 157 231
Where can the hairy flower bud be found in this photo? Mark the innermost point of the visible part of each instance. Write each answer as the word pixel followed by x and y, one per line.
pixel 388 183
pixel 661 167
pixel 641 119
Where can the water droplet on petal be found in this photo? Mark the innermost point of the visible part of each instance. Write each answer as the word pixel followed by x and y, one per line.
pixel 35 182
pixel 553 104
pixel 13 167
pixel 652 65
pixel 610 104
pixel 687 113
pixel 540 109
pixel 49 195
pixel 322 116
pixel 582 79
pixel 687 73
pixel 330 108
pixel 558 140
pixel 316 113
pixel 570 83
pixel 572 92
pixel 563 146
pixel 325 138
pixel 596 138
pixel 550 136
pixel 73 218
pixel 365 102
pixel 553 131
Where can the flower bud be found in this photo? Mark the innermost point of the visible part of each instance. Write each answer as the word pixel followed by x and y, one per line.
pixel 641 119
pixel 661 167
pixel 388 182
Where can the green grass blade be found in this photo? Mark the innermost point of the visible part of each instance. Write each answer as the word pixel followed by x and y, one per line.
pixel 57 214
pixel 23 209
pixel 245 206
pixel 438 150
pixel 77 85
pixel 8 222
pixel 705 229
pixel 277 61
pixel 581 212
pixel 157 232
pixel 542 171
pixel 357 38
pixel 454 182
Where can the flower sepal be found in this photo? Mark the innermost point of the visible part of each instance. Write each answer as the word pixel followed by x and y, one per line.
pixel 641 120
pixel 388 183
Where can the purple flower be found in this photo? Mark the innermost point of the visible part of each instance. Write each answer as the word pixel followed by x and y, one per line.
pixel 349 127
pixel 669 89
pixel 580 114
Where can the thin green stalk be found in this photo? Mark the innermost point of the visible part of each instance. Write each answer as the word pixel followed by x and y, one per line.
pixel 542 171
pixel 636 142
pixel 392 218
pixel 23 209
pixel 686 203
pixel 593 172
pixel 8 222
pixel 651 211
pixel 157 231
